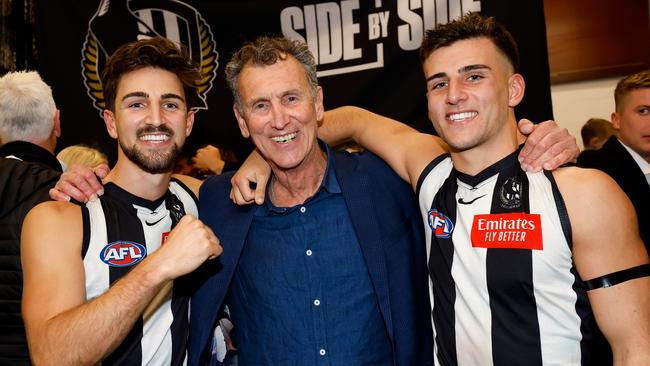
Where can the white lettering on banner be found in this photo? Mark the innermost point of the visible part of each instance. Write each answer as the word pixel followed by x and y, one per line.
pixel 378 25
pixel 329 29
pixel 409 35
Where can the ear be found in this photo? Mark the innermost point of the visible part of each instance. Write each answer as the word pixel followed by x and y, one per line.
pixel 616 121
pixel 57 123
pixel 241 122
pixel 516 88
pixel 318 103
pixel 109 119
pixel 189 123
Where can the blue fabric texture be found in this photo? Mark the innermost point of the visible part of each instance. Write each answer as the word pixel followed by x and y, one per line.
pixel 328 312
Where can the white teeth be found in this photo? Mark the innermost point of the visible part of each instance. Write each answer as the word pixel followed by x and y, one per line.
pixel 461 116
pixel 285 138
pixel 154 137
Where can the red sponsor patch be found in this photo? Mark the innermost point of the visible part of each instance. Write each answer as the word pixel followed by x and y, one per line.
pixel 517 230
pixel 165 235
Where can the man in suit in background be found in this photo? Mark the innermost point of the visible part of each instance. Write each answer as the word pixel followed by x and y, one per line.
pixel 29 127
pixel 627 158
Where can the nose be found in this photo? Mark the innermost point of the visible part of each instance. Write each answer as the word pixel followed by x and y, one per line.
pixel 455 93
pixel 280 117
pixel 154 116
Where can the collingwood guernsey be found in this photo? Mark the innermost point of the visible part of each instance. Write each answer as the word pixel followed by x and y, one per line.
pixel 120 230
pixel 503 286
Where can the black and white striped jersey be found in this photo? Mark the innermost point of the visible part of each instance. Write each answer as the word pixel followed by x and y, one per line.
pixel 503 286
pixel 120 229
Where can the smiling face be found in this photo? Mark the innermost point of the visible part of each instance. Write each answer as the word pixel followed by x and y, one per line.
pixel 151 120
pixel 632 119
pixel 471 92
pixel 279 113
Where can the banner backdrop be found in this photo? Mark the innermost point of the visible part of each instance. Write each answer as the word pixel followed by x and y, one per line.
pixel 366 51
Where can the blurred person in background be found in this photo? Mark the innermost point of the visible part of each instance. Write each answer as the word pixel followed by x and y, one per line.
pixel 82 155
pixel 595 132
pixel 29 128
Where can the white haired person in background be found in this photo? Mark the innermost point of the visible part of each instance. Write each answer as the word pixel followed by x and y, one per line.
pixel 29 128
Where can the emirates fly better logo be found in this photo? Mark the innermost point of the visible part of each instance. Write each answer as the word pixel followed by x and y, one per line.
pixel 121 21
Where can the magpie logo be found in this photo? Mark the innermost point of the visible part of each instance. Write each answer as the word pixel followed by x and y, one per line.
pixel 463 202
pixel 117 22
pixel 510 193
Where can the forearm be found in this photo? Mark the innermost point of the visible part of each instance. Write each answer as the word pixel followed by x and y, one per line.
pixel 89 332
pixel 339 125
pixel 362 126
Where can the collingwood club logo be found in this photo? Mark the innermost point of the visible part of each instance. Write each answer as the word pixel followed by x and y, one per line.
pixel 510 193
pixel 120 21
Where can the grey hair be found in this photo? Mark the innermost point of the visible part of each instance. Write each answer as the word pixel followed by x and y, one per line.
pixel 266 51
pixel 27 108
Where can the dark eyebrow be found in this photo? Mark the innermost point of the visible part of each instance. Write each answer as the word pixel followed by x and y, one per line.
pixel 461 70
pixel 473 67
pixel 437 76
pixel 136 94
pixel 140 94
pixel 172 96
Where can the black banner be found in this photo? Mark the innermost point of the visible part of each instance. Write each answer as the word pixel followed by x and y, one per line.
pixel 367 53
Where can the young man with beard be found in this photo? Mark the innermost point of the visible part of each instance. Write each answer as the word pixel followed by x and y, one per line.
pixel 99 285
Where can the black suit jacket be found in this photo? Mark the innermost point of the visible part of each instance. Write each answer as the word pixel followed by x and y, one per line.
pixel 617 162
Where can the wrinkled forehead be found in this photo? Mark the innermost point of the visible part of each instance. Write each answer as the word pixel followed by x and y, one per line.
pixel 282 75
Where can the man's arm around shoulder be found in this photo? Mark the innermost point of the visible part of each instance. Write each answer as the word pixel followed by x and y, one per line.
pixel 606 240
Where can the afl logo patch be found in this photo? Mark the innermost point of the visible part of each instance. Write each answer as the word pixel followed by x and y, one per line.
pixel 440 224
pixel 122 253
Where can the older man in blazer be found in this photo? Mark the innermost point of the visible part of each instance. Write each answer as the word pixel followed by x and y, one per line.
pixel 331 268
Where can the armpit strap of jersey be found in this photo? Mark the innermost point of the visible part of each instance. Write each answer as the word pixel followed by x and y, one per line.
pixel 615 278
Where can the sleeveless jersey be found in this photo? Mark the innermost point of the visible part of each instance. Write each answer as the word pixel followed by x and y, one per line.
pixel 503 286
pixel 120 229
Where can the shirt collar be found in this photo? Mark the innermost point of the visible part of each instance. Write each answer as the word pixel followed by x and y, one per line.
pixel 641 162
pixel 26 151
pixel 329 183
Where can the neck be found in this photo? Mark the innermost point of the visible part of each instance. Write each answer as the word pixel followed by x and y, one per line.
pixel 290 187
pixel 474 160
pixel 136 181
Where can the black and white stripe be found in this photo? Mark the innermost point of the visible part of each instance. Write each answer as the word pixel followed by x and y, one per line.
pixel 502 306
pixel 159 337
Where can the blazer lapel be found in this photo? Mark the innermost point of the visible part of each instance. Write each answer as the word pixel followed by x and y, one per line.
pixel 231 227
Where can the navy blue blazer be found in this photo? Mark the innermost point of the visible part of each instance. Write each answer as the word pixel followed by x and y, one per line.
pixel 388 225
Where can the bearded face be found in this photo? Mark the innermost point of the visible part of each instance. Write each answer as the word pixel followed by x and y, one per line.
pixel 152 161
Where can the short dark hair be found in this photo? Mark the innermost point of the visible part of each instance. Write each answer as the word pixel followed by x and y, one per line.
pixel 629 83
pixel 154 52
pixel 468 26
pixel 267 50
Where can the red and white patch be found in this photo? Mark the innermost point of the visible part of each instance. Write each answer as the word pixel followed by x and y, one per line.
pixel 165 235
pixel 516 230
